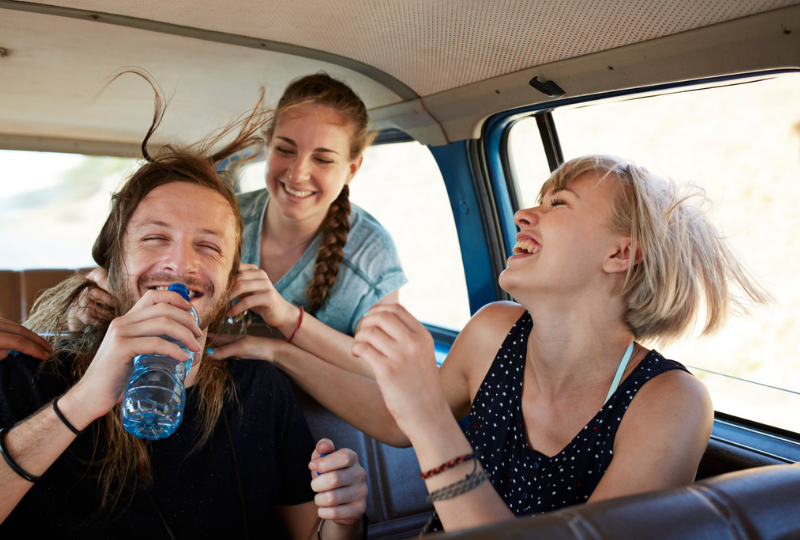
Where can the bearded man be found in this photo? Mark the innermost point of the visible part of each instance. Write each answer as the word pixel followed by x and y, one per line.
pixel 238 466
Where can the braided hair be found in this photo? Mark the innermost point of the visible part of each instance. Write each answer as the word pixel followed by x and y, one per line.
pixel 321 89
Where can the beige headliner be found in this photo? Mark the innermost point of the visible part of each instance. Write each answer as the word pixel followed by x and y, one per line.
pixel 434 68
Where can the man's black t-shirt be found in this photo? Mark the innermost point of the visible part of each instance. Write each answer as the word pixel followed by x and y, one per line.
pixel 210 492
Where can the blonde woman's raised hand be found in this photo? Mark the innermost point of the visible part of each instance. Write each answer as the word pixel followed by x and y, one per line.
pixel 95 306
pixel 14 336
pixel 401 353
pixel 255 292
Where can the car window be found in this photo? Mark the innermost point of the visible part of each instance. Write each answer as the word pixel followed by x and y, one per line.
pixel 52 206
pixel 741 143
pixel 401 186
pixel 527 159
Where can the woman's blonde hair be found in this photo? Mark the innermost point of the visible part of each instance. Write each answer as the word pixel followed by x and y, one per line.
pixel 684 257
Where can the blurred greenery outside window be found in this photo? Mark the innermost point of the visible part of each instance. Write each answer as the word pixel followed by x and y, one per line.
pixel 741 143
pixel 52 206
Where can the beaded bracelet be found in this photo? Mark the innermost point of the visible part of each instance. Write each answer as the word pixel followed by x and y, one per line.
pixel 298 326
pixel 447 465
pixel 63 419
pixel 13 464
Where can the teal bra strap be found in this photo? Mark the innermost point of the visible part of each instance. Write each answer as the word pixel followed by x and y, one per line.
pixel 620 370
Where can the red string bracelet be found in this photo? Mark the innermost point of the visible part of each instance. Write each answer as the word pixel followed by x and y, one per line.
pixel 447 465
pixel 298 325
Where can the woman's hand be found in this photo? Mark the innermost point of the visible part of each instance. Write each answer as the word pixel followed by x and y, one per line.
pixel 14 336
pixel 244 346
pixel 95 306
pixel 256 292
pixel 400 352
pixel 340 483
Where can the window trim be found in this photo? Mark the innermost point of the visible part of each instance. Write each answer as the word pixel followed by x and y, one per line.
pixel 768 441
pixel 494 137
pixel 476 221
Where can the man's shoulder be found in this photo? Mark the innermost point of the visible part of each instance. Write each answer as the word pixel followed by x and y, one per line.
pixel 17 360
pixel 26 384
pixel 31 369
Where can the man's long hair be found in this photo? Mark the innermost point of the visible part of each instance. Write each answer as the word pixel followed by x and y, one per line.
pixel 124 456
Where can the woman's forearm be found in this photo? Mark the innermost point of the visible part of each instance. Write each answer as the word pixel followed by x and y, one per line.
pixel 352 397
pixel 442 440
pixel 328 344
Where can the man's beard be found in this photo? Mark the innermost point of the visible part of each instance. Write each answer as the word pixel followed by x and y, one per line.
pixel 215 312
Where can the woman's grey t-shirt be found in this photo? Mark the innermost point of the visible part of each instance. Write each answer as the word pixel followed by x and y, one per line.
pixel 370 268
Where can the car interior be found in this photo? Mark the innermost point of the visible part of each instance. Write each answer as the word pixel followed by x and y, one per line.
pixel 495 94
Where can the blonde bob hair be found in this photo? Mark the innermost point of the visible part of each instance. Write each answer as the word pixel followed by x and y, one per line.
pixel 684 259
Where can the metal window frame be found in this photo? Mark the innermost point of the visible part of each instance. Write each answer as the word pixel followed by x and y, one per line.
pixel 497 128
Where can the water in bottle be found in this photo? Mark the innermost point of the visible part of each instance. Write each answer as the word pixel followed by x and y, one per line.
pixel 153 403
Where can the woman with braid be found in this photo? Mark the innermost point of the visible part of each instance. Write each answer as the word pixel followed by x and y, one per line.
pixel 313 263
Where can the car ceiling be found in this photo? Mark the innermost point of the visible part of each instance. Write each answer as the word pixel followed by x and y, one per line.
pixel 434 68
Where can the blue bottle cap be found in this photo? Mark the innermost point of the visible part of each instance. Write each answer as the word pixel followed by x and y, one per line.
pixel 323 455
pixel 181 289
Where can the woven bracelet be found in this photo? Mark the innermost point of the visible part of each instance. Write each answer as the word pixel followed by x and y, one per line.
pixel 459 488
pixel 447 465
pixel 13 464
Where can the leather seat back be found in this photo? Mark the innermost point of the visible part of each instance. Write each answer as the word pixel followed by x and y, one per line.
pixel 19 289
pixel 396 500
pixel 761 503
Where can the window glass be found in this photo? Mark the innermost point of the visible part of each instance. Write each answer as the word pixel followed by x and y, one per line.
pixel 401 186
pixel 741 143
pixel 528 161
pixel 53 205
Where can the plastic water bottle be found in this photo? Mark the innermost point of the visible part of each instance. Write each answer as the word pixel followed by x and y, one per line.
pixel 153 403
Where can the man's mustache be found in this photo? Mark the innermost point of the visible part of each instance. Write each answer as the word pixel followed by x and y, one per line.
pixel 161 278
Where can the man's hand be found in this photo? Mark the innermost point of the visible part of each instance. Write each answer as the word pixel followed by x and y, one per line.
pixel 340 483
pixel 16 337
pixel 257 293
pixel 138 332
pixel 95 306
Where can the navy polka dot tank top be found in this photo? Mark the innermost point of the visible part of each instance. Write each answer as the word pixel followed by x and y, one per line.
pixel 529 481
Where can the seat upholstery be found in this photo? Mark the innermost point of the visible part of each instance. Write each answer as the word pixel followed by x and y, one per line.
pixel 396 503
pixel 757 504
pixel 20 289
